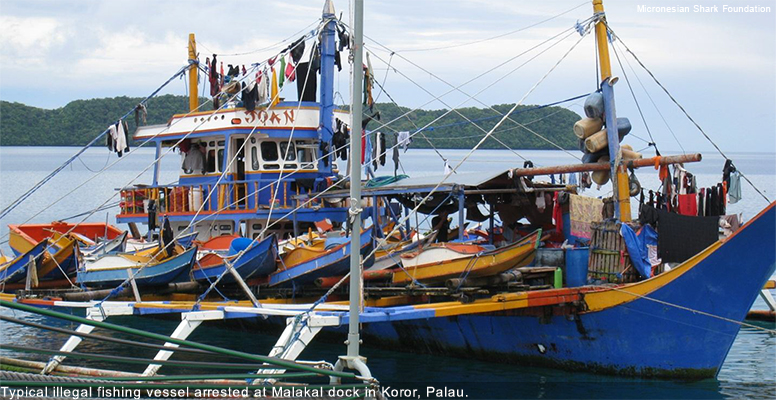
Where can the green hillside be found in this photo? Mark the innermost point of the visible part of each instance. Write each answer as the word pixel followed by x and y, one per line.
pixel 81 120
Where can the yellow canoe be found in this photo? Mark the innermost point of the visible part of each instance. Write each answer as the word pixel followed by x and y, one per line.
pixel 473 265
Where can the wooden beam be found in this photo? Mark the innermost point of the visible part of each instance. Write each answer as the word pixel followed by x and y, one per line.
pixel 638 163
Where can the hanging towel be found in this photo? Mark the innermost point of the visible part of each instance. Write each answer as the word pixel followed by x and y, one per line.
pixel 282 75
pixel 583 211
pixel 688 204
pixel 404 140
pixel 119 138
pixel 734 189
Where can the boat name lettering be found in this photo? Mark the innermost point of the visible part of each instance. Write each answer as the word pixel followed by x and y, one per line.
pixel 272 118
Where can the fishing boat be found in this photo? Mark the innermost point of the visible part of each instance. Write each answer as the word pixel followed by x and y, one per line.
pixel 270 170
pixel 441 261
pixel 15 269
pixel 62 244
pixel 147 268
pixel 329 256
pixel 255 259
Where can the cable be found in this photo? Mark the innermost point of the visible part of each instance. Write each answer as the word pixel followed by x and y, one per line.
pixel 685 112
pixel 270 47
pixel 48 177
pixel 652 139
pixel 497 36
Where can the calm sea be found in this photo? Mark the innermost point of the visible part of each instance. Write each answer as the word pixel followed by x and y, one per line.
pixel 749 371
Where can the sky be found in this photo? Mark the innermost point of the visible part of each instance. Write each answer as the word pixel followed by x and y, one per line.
pixel 720 66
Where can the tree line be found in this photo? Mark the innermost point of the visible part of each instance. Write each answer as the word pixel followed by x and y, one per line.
pixel 81 120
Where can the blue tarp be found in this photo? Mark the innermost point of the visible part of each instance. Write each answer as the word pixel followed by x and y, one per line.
pixel 637 247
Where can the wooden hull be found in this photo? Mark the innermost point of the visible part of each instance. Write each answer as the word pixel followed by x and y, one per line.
pixel 102 275
pixel 61 260
pixel 259 260
pixel 314 263
pixel 24 237
pixel 471 264
pixel 16 269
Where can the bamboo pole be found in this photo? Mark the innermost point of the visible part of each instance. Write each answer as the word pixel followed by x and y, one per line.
pixel 589 167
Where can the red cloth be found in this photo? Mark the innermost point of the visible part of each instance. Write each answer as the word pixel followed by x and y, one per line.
pixel 688 204
pixel 557 214
pixel 363 145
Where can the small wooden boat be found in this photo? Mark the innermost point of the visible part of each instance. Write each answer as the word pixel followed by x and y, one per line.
pixel 154 268
pixel 15 269
pixel 442 261
pixel 259 258
pixel 63 259
pixel 320 258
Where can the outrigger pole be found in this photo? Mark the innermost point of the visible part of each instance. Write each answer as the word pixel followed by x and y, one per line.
pixel 620 185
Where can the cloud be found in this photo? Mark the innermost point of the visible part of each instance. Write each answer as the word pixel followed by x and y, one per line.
pixel 30 38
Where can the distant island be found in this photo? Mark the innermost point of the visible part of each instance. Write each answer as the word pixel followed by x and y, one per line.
pixel 81 120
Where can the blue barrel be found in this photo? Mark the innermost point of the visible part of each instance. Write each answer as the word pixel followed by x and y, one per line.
pixel 576 266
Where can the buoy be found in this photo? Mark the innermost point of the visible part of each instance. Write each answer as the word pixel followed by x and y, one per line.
pixel 598 140
pixel 587 126
pixel 594 105
pixel 601 177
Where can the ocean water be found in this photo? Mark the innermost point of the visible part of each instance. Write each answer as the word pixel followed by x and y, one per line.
pixel 749 371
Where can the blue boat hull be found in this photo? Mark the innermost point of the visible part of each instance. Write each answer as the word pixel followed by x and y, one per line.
pixel 16 270
pixel 651 335
pixel 333 264
pixel 259 260
pixel 159 274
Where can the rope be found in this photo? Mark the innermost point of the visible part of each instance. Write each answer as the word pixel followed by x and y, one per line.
pixel 686 114
pixel 48 177
pixel 638 106
pixel 414 210
pixel 492 84
pixel 741 323
pixel 431 128
pixel 497 36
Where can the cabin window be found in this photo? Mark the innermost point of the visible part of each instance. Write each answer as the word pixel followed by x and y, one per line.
pixel 289 153
pixel 269 151
pixel 211 161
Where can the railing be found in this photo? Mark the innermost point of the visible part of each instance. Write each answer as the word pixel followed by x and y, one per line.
pixel 247 196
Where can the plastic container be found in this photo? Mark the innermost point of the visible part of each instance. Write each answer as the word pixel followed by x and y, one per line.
pixel 601 177
pixel 594 105
pixel 549 257
pixel 587 126
pixel 576 266
pixel 195 199
pixel 598 140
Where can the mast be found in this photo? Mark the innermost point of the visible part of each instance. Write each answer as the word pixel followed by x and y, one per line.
pixel 355 178
pixel 620 185
pixel 353 359
pixel 193 72
pixel 326 93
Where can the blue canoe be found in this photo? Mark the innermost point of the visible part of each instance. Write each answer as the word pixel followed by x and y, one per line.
pixel 112 270
pixel 258 260
pixel 331 257
pixel 16 269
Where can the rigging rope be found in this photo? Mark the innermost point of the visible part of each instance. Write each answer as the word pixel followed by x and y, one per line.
pixel 694 311
pixel 584 32
pixel 503 118
pixel 48 177
pixel 500 35
pixel 686 114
